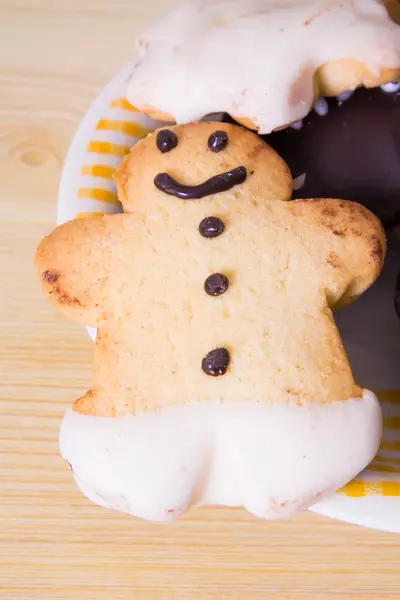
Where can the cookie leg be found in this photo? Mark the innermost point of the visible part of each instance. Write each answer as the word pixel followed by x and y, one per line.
pixel 150 466
pixel 273 459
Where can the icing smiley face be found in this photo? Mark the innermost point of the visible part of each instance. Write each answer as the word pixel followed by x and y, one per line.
pixel 224 161
pixel 217 142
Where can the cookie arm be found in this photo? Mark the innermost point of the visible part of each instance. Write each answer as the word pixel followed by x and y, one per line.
pixel 72 264
pixel 349 245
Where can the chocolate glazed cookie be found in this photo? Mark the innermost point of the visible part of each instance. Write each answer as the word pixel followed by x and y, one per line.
pixel 352 152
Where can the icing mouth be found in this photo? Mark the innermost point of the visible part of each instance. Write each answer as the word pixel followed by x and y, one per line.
pixel 219 183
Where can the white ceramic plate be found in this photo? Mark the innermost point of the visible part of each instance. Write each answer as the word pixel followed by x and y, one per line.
pixel 369 328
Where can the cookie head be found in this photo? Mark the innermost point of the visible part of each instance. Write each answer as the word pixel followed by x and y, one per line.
pixel 200 161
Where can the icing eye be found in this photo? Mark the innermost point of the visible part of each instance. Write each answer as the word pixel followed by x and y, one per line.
pixel 166 140
pixel 218 141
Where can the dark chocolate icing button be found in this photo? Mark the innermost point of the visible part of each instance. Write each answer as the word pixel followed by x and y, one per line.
pixel 211 227
pixel 216 362
pixel 218 141
pixel 219 183
pixel 216 284
pixel 166 140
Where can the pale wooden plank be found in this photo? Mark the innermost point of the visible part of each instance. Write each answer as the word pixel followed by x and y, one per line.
pixel 54 57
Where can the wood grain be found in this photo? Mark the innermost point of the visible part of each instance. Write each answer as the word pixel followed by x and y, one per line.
pixel 55 55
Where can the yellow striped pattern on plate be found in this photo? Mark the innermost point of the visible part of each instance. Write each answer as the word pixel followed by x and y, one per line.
pixel 358 489
pixel 118 150
pixel 123 103
pixel 103 171
pixel 114 136
pixel 122 127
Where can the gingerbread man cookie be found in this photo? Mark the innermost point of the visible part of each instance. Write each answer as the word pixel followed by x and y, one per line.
pixel 219 374
pixel 263 62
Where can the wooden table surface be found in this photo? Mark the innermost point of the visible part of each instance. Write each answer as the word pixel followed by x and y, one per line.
pixel 55 55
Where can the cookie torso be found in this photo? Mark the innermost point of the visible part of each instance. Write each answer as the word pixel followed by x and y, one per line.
pixel 282 342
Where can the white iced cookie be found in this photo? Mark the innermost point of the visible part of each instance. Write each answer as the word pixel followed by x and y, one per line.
pixel 219 374
pixel 263 62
